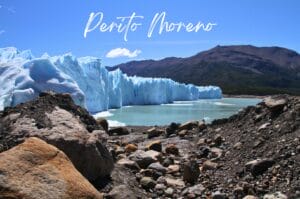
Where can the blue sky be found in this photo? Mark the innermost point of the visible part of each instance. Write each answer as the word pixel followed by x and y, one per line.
pixel 57 26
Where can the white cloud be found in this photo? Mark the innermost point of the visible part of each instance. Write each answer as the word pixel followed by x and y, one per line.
pixel 122 52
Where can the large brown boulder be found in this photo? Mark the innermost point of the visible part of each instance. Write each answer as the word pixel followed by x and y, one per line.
pixel 55 119
pixel 37 170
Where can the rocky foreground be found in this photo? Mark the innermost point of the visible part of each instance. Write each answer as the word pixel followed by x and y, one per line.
pixel 253 154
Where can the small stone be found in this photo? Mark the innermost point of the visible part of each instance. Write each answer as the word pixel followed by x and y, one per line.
pixel 168 161
pixel 160 187
pixel 188 125
pixel 156 146
pixel 171 129
pixel 169 191
pixel 129 164
pixel 250 197
pixel 147 183
pixel 120 192
pixel 218 140
pixel 103 123
pixel 182 133
pixel 202 126
pixel 172 149
pixel 157 167
pixel 263 126
pixel 216 153
pixel 259 166
pixel 173 168
pixel 197 189
pixel 142 158
pixel 118 131
pixel 237 145
pixel 119 150
pixel 209 165
pixel 219 195
pixel 277 195
pixel 129 148
pixel 191 171
pixel 175 182
pixel 154 132
pixel 201 141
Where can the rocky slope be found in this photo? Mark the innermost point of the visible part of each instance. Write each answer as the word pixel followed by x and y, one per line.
pixel 253 154
pixel 236 69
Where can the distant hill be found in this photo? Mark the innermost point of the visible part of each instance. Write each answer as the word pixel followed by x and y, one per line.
pixel 240 69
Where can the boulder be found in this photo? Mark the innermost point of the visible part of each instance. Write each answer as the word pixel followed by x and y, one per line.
pixel 275 105
pixel 55 119
pixel 118 131
pixel 35 169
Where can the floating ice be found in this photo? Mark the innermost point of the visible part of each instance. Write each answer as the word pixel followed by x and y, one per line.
pixel 23 77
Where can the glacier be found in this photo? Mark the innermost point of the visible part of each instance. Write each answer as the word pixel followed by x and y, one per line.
pixel 91 85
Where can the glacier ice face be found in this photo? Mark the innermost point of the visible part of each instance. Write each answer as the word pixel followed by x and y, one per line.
pixel 23 77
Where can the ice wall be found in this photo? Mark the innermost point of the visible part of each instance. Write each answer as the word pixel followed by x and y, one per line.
pixel 23 77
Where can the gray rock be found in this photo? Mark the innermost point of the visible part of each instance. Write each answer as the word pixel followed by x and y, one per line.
pixel 120 192
pixel 147 183
pixel 142 158
pixel 196 189
pixel 129 164
pixel 158 167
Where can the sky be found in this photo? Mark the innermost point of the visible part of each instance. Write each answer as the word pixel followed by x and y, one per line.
pixel 58 26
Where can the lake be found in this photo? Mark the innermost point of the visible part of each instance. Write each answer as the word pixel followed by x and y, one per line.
pixel 179 111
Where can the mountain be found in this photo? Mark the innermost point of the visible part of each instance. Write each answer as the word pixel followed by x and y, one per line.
pixel 242 69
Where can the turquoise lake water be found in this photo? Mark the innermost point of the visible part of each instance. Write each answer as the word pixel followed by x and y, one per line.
pixel 179 111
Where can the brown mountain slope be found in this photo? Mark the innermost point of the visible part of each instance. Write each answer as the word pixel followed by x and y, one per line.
pixel 236 69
